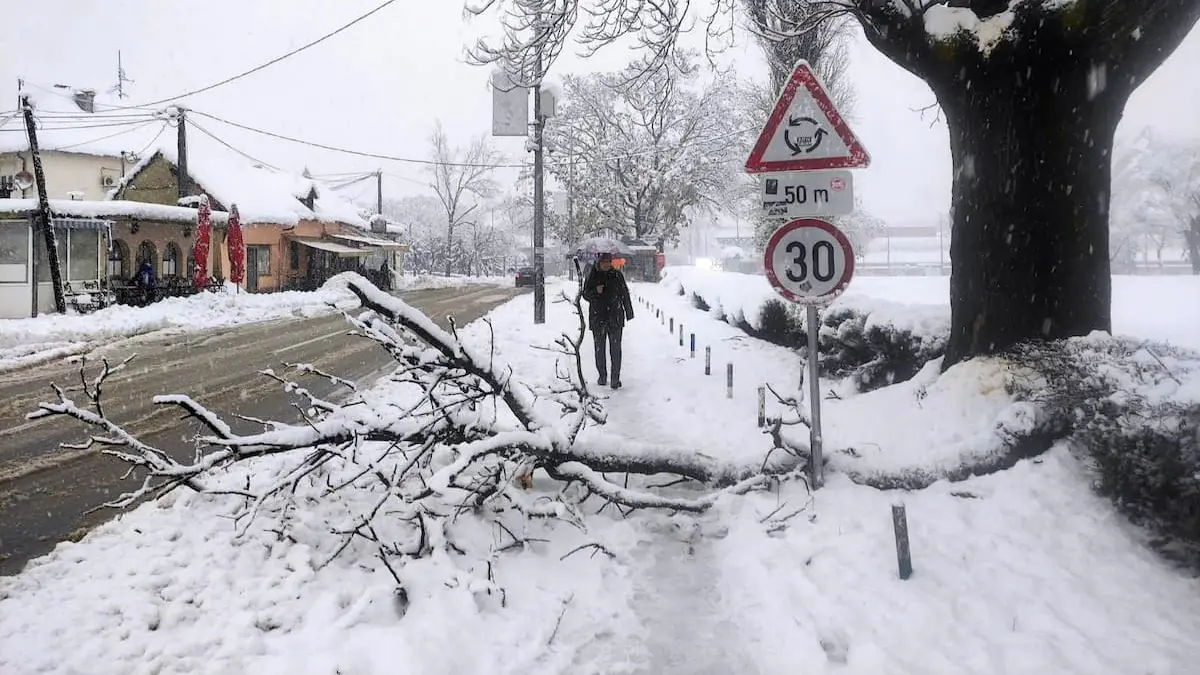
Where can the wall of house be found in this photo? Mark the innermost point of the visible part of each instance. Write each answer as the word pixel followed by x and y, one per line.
pixel 66 172
pixel 155 184
pixel 159 236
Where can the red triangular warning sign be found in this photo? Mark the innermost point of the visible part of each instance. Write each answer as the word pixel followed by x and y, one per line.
pixel 805 132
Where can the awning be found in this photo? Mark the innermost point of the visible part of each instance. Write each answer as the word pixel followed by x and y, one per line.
pixel 80 224
pixel 378 243
pixel 340 250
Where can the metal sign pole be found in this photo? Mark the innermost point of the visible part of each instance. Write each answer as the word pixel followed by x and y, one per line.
pixel 814 394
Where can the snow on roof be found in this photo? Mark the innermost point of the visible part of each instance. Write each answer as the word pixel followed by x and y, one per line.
pixel 262 194
pixel 110 209
pixel 82 121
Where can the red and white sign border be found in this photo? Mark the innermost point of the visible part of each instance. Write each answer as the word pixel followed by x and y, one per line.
pixel 803 76
pixel 831 230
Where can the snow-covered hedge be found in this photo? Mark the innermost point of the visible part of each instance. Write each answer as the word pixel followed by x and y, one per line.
pixel 1132 410
pixel 871 342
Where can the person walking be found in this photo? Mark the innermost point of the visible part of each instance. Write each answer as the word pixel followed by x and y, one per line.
pixel 609 307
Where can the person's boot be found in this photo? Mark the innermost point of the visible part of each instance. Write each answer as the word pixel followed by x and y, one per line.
pixel 616 382
pixel 602 381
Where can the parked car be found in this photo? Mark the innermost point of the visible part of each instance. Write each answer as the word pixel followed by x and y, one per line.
pixel 525 277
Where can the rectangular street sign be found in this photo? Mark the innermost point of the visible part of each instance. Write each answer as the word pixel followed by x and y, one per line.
pixel 801 194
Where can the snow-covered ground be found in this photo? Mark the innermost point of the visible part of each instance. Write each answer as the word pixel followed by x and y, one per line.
pixel 25 342
pixel 1162 308
pixel 1021 572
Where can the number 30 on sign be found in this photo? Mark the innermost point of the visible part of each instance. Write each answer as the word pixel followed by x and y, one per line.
pixel 809 261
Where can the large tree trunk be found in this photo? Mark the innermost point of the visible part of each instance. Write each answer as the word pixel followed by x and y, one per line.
pixel 1031 117
pixel 1029 246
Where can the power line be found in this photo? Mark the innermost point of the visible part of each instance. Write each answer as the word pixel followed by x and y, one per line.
pixel 102 138
pixel 208 133
pixel 257 68
pixel 42 126
pixel 430 162
pixel 153 140
pixel 359 153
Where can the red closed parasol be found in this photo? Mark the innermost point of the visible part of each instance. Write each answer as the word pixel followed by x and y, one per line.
pixel 237 247
pixel 200 247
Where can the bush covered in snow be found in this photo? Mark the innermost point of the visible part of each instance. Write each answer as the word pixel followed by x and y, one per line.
pixel 1132 410
pixel 871 342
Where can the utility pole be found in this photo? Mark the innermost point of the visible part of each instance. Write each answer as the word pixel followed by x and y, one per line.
pixel 51 243
pixel 379 192
pixel 181 139
pixel 539 204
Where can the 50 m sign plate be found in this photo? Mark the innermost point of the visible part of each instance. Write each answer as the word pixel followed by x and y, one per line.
pixel 809 261
pixel 807 193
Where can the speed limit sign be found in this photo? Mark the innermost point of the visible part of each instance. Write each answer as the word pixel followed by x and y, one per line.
pixel 809 261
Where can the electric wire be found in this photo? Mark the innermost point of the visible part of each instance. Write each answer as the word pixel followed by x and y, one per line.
pixel 213 136
pixel 102 138
pixel 430 162
pixel 259 67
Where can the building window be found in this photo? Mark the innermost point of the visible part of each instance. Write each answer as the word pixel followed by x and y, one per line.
pixel 7 187
pixel 294 255
pixel 84 261
pixel 118 260
pixel 146 254
pixel 258 258
pixel 14 251
pixel 190 270
pixel 170 264
pixel 43 260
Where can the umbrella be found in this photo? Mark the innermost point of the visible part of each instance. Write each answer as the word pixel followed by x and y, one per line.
pixel 236 245
pixel 591 247
pixel 200 247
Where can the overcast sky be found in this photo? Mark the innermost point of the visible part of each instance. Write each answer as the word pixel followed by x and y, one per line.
pixel 380 85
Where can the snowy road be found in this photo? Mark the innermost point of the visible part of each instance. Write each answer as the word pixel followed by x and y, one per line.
pixel 45 490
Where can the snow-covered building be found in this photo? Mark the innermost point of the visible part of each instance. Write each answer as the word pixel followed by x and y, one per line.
pixel 84 235
pixel 87 142
pixel 297 231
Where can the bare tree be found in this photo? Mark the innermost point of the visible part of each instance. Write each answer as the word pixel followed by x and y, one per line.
pixel 644 151
pixel 445 442
pixel 460 178
pixel 1031 92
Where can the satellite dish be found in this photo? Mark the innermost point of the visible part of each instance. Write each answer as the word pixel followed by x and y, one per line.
pixel 23 180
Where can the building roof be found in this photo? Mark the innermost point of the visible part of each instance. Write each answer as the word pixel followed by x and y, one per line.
pixel 109 209
pixel 262 194
pixel 65 124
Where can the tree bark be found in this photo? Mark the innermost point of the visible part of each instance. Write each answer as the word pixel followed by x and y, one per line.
pixel 1032 171
pixel 1031 131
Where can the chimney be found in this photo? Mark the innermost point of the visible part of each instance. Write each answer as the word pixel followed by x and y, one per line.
pixel 86 100
pixel 378 224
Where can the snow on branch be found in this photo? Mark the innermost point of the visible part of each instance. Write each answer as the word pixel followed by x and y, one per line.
pixel 448 433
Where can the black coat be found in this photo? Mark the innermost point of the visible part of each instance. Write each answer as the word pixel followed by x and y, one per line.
pixel 612 306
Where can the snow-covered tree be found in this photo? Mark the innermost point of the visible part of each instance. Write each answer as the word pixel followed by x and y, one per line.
pixel 1032 92
pixel 638 153
pixel 823 45
pixel 462 179
pixel 1156 198
pixel 424 222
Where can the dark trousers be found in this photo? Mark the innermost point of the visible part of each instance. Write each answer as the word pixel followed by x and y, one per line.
pixel 610 335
